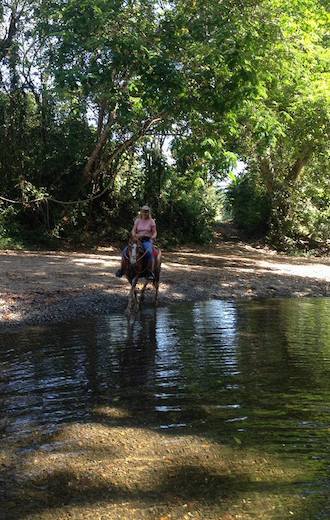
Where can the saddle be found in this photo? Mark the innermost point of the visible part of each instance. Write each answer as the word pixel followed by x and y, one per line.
pixel 155 251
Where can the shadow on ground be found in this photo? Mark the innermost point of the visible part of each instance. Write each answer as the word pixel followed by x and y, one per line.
pixel 51 286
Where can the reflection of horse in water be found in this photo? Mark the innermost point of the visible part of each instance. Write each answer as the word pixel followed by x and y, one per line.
pixel 137 360
pixel 135 267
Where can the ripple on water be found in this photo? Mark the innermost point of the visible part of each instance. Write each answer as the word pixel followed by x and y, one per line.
pixel 254 371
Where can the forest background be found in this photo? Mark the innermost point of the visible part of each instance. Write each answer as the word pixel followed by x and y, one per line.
pixel 107 104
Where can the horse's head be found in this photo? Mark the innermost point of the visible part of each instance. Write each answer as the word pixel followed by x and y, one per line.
pixel 135 250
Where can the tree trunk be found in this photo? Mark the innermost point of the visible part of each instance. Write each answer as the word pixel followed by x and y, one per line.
pixel 267 173
pixel 281 225
pixel 103 134
pixel 120 148
pixel 298 166
pixel 7 41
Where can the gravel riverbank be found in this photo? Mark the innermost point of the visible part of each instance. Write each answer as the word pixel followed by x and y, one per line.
pixel 39 287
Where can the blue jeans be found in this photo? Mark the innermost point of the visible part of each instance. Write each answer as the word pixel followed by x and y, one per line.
pixel 147 246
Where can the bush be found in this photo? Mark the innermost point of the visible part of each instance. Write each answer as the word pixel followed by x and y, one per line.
pixel 301 218
pixel 249 205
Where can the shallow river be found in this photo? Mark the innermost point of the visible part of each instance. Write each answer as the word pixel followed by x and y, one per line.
pixel 248 374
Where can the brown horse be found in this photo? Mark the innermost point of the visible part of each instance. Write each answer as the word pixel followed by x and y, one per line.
pixel 135 267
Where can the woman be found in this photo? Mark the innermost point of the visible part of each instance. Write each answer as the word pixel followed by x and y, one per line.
pixel 145 230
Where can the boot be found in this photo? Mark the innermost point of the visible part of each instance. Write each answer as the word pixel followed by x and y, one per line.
pixel 121 271
pixel 150 271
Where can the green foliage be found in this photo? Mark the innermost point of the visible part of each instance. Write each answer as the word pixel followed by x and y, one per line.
pixel 285 129
pixel 249 204
pixel 94 95
pixel 189 216
pixel 302 213
pixel 18 233
pixel 9 229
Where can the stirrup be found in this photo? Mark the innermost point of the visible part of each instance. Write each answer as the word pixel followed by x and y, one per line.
pixel 150 275
pixel 119 273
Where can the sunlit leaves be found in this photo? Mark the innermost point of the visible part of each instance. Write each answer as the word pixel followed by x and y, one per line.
pixel 226 80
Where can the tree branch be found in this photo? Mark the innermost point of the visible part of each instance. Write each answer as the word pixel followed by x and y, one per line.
pixel 96 153
pixel 7 41
pixel 298 165
pixel 121 148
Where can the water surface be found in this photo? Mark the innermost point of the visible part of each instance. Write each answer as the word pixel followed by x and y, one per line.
pixel 253 375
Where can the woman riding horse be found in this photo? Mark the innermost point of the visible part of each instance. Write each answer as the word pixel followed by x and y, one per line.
pixel 144 229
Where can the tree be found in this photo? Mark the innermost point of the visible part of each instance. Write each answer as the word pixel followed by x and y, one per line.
pixel 286 127
pixel 89 86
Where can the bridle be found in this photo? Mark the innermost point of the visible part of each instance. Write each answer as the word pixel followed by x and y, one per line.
pixel 133 257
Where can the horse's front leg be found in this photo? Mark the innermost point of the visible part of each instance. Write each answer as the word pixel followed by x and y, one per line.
pixel 143 290
pixel 156 286
pixel 157 278
pixel 132 298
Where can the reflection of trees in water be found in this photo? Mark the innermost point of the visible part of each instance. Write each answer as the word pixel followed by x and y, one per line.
pixel 44 378
pixel 266 345
pixel 284 343
pixel 253 366
pixel 201 339
pixel 196 358
pixel 215 330
pixel 58 373
pixel 284 369
pixel 262 349
pixel 137 360
pixel 217 352
pixel 308 335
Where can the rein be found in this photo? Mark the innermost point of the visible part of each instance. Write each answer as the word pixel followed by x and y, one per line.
pixel 144 254
pixel 137 259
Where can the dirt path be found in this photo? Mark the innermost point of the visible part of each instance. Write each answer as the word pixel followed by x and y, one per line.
pixel 43 286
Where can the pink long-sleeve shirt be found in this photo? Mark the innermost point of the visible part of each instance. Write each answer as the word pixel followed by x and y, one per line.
pixel 144 227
